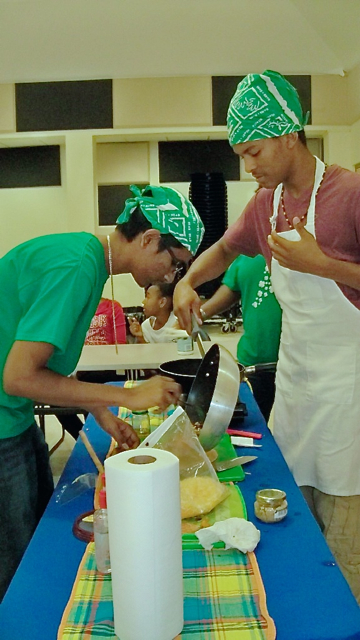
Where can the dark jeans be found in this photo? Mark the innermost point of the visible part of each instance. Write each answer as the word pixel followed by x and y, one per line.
pixel 263 386
pixel 26 485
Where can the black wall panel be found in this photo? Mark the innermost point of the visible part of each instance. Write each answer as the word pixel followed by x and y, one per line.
pixel 53 106
pixel 111 200
pixel 224 87
pixel 178 160
pixel 30 167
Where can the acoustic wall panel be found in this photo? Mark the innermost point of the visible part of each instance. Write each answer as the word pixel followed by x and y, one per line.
pixel 30 167
pixel 178 160
pixel 111 200
pixel 53 106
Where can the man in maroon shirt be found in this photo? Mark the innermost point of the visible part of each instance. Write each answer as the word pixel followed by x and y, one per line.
pixel 305 220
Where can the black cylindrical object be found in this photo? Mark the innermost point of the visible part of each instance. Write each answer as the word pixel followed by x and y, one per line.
pixel 208 193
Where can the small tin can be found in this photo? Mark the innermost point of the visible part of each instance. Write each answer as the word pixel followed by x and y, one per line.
pixel 185 345
pixel 271 505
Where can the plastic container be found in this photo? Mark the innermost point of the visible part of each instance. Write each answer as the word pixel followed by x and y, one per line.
pixel 185 345
pixel 140 421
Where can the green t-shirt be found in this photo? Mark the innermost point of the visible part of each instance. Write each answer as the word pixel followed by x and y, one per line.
pixel 260 310
pixel 49 291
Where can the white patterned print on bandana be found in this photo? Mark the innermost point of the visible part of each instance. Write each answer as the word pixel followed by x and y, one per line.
pixel 264 105
pixel 168 211
pixel 265 288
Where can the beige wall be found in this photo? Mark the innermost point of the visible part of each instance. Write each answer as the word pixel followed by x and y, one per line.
pixel 337 147
pixel 172 102
pixel 78 175
pixel 7 108
pixel 354 95
pixel 122 162
pixel 355 143
pixel 131 154
pixel 330 100
pixel 25 213
pixel 336 99
pixel 162 102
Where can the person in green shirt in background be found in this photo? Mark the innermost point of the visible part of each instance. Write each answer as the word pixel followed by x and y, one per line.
pixel 248 279
pixel 50 288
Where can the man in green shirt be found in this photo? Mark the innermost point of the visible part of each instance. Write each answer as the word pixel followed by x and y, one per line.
pixel 249 279
pixel 49 290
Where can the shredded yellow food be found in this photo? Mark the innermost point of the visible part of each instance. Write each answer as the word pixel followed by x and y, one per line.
pixel 200 494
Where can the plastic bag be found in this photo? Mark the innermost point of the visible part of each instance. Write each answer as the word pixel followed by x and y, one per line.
pixel 200 488
pixel 180 439
pixel 68 491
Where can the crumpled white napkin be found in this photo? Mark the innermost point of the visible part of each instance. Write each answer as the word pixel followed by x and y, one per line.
pixel 237 533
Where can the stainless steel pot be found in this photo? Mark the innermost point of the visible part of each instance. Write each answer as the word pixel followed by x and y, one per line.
pixel 212 389
pixel 182 371
pixel 213 395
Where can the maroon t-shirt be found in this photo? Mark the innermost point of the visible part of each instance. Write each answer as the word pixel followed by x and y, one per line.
pixel 337 221
pixel 101 330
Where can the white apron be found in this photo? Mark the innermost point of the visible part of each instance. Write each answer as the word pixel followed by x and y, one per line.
pixel 317 402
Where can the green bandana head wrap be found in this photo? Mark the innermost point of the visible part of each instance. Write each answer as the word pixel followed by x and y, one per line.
pixel 264 105
pixel 168 211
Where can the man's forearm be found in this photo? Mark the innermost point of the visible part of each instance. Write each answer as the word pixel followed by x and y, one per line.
pixel 223 299
pixel 346 273
pixel 27 375
pixel 48 387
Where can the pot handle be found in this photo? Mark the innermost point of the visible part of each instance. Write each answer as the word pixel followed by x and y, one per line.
pixel 198 334
pixel 255 368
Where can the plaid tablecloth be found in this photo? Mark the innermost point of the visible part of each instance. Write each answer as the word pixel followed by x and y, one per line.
pixel 224 599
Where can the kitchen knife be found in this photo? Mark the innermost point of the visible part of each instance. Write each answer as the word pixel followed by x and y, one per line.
pixel 234 462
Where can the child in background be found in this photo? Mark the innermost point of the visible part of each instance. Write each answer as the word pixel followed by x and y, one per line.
pixel 108 325
pixel 161 324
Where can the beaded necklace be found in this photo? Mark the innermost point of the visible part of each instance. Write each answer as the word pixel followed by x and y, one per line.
pixel 112 292
pixel 305 214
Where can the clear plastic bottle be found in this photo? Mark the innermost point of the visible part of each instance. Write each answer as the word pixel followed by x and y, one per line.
pixel 141 423
pixel 101 535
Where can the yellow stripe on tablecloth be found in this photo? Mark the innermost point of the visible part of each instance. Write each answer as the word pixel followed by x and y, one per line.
pixel 73 595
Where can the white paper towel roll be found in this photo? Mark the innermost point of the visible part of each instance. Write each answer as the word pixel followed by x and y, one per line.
pixel 143 502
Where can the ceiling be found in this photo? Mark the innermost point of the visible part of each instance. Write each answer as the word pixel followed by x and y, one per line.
pixel 52 40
